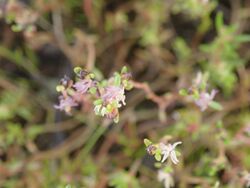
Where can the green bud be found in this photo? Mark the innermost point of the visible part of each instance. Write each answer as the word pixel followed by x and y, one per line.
pixel 117 79
pixel 71 91
pixel 158 156
pixel 98 102
pixel 92 90
pixel 60 88
pixel 147 142
pixel 91 75
pixel 129 86
pixel 109 107
pixel 124 70
pixel 196 94
pixel 183 92
pixel 77 70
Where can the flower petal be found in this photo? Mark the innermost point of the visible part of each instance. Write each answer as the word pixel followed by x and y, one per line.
pixel 176 143
pixel 173 157
pixel 165 156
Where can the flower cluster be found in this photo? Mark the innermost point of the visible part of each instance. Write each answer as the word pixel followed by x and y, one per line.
pixel 162 151
pixel 22 17
pixel 107 95
pixel 199 94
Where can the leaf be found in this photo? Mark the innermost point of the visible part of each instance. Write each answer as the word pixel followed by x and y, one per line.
pixel 92 90
pixel 242 38
pixel 147 142
pixel 158 156
pixel 196 94
pixel 124 70
pixel 181 49
pixel 123 179
pixel 25 113
pixel 5 112
pixel 34 131
pixel 168 169
pixel 98 102
pixel 219 21
pixel 215 105
pixel 16 28
pixel 219 124
pixel 183 92
pixel 117 79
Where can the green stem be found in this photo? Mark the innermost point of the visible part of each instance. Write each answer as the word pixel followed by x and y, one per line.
pixel 93 139
pixel 90 144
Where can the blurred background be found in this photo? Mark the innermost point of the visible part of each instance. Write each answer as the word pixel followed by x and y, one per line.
pixel 164 43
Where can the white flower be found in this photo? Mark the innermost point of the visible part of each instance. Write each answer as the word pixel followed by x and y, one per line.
pixel 205 99
pixel 166 178
pixel 247 179
pixel 169 150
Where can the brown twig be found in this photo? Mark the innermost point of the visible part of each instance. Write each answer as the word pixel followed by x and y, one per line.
pixel 162 101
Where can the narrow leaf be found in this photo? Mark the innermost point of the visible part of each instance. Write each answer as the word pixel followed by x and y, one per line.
pixel 215 105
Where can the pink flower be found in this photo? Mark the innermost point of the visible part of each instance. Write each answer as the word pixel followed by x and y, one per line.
pixel 65 104
pixel 205 99
pixel 82 86
pixel 114 93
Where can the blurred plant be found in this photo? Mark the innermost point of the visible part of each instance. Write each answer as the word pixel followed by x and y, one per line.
pixel 198 93
pixel 152 33
pixel 107 95
pixel 165 176
pixel 81 152
pixel 123 179
pixel 194 8
pixel 223 55
pixel 21 17
pixel 181 49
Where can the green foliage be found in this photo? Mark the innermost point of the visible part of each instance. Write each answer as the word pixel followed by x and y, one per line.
pixel 215 105
pixel 224 55
pixel 123 179
pixel 194 8
pixel 182 51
